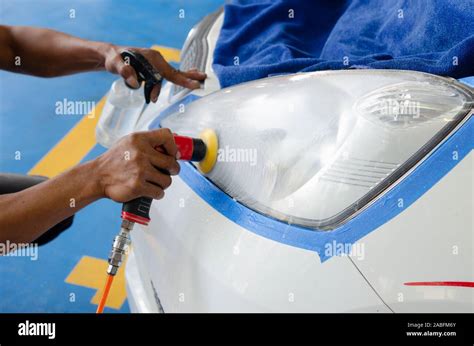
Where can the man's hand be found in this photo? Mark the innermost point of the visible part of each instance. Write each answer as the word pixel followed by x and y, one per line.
pixel 115 64
pixel 140 164
pixel 131 169
pixel 49 53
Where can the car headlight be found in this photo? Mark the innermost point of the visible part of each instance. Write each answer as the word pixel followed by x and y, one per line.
pixel 314 148
pixel 195 50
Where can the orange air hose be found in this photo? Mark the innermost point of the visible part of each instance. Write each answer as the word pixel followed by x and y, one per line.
pixel 105 294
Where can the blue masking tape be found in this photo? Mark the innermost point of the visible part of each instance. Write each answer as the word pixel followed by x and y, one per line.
pixel 468 81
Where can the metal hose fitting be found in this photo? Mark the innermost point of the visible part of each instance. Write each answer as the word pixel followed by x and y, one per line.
pixel 119 247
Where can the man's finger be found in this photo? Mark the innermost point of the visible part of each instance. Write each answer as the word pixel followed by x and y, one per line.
pixel 155 92
pixel 170 73
pixel 178 77
pixel 151 190
pixel 164 162
pixel 195 74
pixel 160 179
pixel 127 72
pixel 164 138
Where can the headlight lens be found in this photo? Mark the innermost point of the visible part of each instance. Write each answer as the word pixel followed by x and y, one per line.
pixel 312 149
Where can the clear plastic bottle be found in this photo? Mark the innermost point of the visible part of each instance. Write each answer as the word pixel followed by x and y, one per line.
pixel 121 111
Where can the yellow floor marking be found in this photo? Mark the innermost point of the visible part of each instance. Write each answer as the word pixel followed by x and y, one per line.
pixel 72 148
pixel 91 272
pixel 68 152
pixel 170 54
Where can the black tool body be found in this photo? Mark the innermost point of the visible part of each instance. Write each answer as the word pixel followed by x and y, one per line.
pixel 144 70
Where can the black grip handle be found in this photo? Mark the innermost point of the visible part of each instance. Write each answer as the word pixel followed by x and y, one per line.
pixel 137 210
pixel 144 70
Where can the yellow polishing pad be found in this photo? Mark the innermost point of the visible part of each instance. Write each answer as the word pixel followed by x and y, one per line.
pixel 209 137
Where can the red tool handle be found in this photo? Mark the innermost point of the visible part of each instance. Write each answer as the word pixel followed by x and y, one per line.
pixel 190 149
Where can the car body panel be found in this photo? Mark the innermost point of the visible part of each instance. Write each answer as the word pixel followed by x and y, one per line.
pixel 205 262
pixel 431 241
pixel 193 258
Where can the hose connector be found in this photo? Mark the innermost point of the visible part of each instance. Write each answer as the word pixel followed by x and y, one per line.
pixel 119 247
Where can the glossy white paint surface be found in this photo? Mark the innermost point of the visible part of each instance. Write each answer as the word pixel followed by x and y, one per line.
pixel 432 240
pixel 201 261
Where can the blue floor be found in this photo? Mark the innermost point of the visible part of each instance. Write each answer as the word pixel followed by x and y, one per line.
pixel 29 125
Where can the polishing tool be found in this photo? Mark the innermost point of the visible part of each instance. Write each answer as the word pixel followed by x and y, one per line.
pixel 202 150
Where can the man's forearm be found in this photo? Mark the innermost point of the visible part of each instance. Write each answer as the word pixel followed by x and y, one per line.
pixel 48 53
pixel 26 214
pixel 130 169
